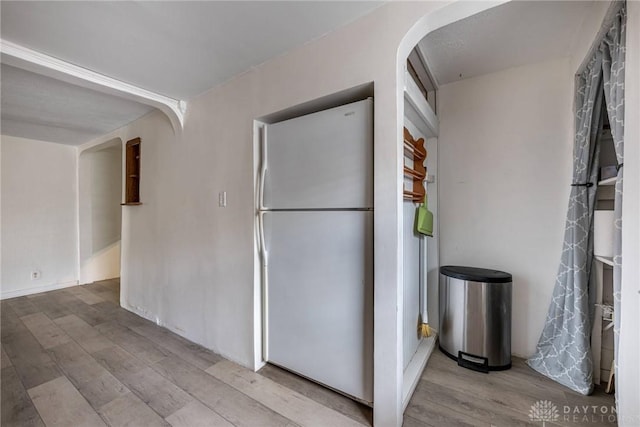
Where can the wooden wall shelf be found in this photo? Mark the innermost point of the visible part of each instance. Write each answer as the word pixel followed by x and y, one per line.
pixel 608 181
pixel 412 173
pixel 417 172
pixel 132 161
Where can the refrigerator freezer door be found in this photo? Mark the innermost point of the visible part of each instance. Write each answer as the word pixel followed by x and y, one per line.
pixel 321 160
pixel 320 297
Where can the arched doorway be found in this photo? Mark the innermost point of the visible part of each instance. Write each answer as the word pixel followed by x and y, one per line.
pixel 100 217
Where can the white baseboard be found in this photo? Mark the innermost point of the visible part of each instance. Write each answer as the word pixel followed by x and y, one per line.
pixel 416 366
pixel 36 290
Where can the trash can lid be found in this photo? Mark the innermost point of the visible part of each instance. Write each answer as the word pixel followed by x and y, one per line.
pixel 474 274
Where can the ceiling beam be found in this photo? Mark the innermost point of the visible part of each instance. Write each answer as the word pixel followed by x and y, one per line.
pixel 40 63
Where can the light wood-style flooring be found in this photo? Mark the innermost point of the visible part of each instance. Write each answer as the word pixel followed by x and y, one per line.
pixel 73 357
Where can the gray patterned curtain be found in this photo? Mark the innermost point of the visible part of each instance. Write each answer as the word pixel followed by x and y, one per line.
pixel 563 352
pixel 564 349
pixel 613 49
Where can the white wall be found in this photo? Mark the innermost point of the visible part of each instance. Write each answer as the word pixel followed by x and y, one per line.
pixel 628 381
pixel 100 195
pixel 179 239
pixel 190 263
pixel 505 151
pixel 39 215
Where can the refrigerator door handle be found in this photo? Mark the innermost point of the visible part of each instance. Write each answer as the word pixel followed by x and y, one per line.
pixel 265 280
pixel 263 245
pixel 263 169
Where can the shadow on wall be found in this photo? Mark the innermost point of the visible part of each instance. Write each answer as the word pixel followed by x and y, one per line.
pixel 100 195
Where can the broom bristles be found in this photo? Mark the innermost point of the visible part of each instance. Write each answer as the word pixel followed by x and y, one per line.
pixel 424 330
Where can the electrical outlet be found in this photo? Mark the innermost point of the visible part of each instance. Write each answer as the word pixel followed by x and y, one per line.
pixel 222 199
pixel 36 274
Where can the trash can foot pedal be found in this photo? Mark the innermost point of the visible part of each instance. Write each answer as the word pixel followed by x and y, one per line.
pixel 473 362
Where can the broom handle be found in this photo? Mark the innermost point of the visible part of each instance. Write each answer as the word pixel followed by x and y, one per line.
pixel 423 283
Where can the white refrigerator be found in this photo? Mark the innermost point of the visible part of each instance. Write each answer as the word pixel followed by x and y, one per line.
pixel 316 244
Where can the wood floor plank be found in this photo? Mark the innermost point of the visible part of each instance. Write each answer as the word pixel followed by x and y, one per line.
pixel 5 361
pixel 88 313
pixel 16 406
pixel 599 397
pixel 119 315
pixel 32 363
pixel 77 364
pixel 102 390
pixel 487 395
pixel 522 373
pixel 68 345
pixel 108 290
pixel 436 416
pixel 109 285
pixel 10 323
pixel 329 398
pixel 231 404
pixel 160 394
pixel 412 422
pixel 89 338
pixel 76 328
pixel 46 332
pixel 85 295
pixel 22 306
pixel 93 381
pixel 36 369
pixel 476 406
pixel 497 388
pixel 195 414
pixel 106 307
pixel 130 411
pixel 186 350
pixel 154 390
pixel 59 403
pixel 49 304
pixel 118 361
pixel 135 344
pixel 295 406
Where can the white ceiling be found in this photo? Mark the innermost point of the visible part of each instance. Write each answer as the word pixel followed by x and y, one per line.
pixel 509 35
pixel 42 108
pixel 181 49
pixel 176 48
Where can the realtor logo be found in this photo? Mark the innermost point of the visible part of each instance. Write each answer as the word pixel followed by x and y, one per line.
pixel 544 410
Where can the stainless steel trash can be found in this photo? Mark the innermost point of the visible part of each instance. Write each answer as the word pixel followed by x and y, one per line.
pixel 475 317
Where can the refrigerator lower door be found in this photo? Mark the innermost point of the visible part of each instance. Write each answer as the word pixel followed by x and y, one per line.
pixel 320 297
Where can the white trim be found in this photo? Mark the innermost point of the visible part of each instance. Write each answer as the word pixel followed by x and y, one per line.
pixel 40 63
pixel 628 358
pixel 418 110
pixel 427 65
pixel 415 367
pixel 613 10
pixel 77 188
pixel 258 302
pixel 36 289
